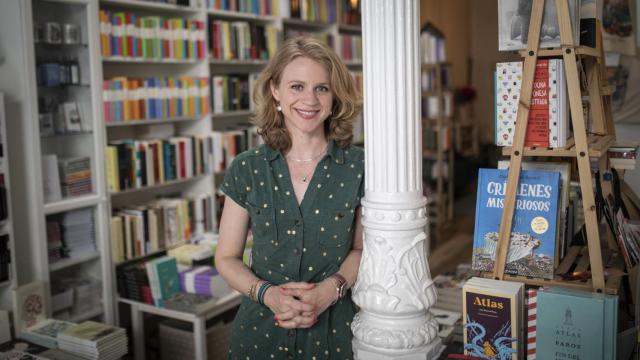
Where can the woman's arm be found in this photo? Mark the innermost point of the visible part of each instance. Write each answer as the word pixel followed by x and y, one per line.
pixel 233 233
pixel 325 293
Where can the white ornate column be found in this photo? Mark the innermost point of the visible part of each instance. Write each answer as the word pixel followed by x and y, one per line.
pixel 394 289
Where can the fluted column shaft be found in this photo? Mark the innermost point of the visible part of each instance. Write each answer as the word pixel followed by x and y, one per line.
pixel 394 289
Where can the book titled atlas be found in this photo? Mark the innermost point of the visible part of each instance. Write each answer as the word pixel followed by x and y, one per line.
pixel 493 319
pixel 532 247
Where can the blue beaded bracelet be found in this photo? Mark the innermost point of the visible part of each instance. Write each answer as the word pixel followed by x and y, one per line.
pixel 262 291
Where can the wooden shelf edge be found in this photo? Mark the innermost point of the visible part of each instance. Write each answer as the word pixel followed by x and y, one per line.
pixel 598 146
pixel 554 52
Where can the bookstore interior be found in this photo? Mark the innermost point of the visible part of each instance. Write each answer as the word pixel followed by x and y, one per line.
pixel 482 155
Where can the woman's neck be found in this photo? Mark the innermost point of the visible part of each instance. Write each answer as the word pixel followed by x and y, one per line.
pixel 306 148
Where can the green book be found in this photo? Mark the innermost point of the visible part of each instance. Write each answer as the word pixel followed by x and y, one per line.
pixel 576 325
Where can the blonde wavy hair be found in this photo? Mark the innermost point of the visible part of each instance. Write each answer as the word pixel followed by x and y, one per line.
pixel 347 103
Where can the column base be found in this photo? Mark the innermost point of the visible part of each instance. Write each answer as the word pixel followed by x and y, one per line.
pixel 430 351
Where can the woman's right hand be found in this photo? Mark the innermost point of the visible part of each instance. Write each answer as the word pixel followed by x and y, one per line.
pixel 289 312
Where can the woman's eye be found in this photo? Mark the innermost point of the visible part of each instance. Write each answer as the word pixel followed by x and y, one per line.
pixel 296 87
pixel 322 88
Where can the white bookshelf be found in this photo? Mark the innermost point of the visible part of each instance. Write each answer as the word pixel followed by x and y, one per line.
pixel 6 226
pixel 28 145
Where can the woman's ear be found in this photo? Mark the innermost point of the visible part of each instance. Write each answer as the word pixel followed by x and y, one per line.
pixel 274 91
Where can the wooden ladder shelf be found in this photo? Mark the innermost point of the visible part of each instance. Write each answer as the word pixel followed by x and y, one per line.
pixel 582 147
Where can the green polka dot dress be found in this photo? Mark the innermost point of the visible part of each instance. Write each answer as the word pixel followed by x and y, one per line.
pixel 307 243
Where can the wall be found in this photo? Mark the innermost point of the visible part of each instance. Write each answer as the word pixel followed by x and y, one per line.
pixel 452 17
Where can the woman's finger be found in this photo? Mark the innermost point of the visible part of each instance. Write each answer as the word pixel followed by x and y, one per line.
pixel 298 285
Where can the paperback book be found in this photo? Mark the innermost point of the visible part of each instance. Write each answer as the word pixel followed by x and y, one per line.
pixel 532 247
pixel 493 319
pixel 45 333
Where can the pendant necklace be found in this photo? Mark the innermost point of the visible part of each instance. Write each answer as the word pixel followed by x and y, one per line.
pixel 304 178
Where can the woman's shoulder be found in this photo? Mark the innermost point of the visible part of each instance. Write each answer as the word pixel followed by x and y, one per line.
pixel 354 154
pixel 259 153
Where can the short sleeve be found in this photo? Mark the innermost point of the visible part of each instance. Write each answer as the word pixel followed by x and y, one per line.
pixel 233 183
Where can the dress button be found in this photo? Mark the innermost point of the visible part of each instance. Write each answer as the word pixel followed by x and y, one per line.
pixel 291 333
pixel 298 222
pixel 296 251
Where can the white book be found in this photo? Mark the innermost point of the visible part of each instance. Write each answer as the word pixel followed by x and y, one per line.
pixel 51 178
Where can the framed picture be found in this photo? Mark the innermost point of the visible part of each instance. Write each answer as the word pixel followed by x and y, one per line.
pixel 30 305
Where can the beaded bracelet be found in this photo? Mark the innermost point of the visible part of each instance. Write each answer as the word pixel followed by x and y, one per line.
pixel 262 291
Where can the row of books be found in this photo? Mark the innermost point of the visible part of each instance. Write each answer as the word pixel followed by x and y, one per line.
pixel 66 177
pixel 135 163
pixel 5 258
pixel 552 323
pixel 429 81
pixel 4 203
pixel 431 135
pixel 325 37
pixel 131 99
pixel 323 11
pixel 125 34
pixel 242 40
pixel 548 122
pixel 349 47
pixel 232 92
pixel 256 7
pixel 71 234
pixel 350 12
pixel 144 229
pixel 432 45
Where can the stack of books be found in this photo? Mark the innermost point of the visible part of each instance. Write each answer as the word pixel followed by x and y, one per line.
pixel 204 280
pixel 45 333
pixel 192 254
pixel 75 176
pixel 78 230
pixel 93 340
pixel 623 157
pixel 242 40
pixel 494 318
pixel 133 283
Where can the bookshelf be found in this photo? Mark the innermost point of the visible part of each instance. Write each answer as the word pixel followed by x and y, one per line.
pixel 438 147
pixel 7 248
pixel 585 145
pixel 56 140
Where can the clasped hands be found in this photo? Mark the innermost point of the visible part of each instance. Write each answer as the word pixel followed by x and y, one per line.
pixel 298 304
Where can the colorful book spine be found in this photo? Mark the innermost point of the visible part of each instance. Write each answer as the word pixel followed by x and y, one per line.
pixel 532 302
pixel 127 35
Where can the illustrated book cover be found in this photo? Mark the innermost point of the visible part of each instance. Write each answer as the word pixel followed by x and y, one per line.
pixel 532 247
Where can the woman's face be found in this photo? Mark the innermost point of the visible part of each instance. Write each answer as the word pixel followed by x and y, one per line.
pixel 305 96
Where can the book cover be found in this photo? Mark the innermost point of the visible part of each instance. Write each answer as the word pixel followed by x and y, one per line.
pixel 533 235
pixel 45 333
pixel 547 124
pixel 491 323
pixel 168 278
pixel 575 325
pixel 90 333
pixel 513 24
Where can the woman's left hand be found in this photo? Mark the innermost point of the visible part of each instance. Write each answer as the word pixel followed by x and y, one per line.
pixel 321 296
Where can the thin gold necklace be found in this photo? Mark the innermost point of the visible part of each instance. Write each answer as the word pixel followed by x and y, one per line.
pixel 309 159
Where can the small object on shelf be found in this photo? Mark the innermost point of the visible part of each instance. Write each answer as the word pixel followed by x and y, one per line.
pixel 71 34
pixel 51 178
pixel 52 33
pixel 45 332
pixel 30 305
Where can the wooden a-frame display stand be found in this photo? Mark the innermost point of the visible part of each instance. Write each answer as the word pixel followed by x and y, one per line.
pixel 582 147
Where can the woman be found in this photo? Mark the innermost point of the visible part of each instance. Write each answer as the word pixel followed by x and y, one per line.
pixel 300 194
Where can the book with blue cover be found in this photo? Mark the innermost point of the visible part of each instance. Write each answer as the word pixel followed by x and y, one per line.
pixel 532 248
pixel 574 324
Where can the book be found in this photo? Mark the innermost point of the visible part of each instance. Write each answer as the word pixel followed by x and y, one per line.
pixel 574 324
pixel 163 278
pixel 51 178
pixel 532 247
pixel 548 121
pixel 45 332
pixel 30 305
pixel 513 24
pixel 564 168
pixel 493 319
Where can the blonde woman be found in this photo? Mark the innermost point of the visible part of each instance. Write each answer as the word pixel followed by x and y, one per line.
pixel 299 193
